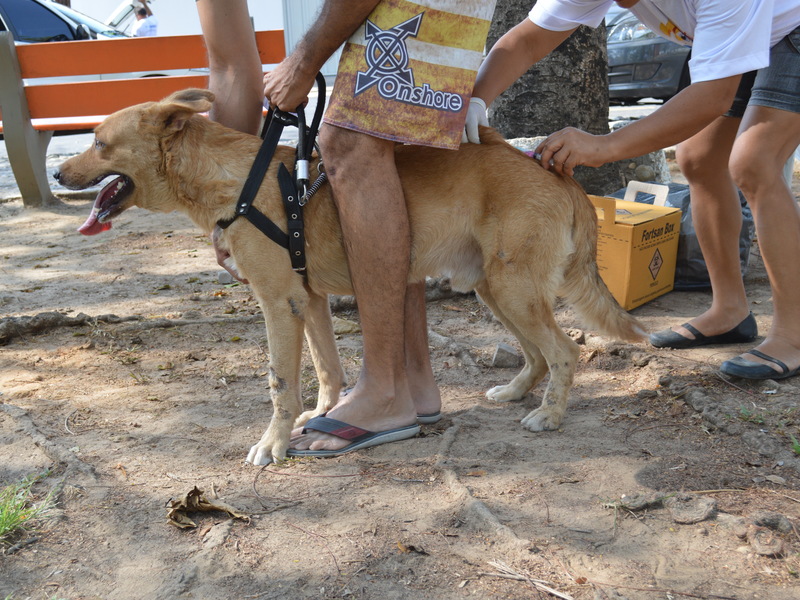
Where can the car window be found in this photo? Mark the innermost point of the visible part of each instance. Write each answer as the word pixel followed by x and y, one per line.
pixel 95 26
pixel 32 22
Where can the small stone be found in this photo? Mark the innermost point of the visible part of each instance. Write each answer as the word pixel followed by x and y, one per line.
pixel 771 520
pixel 577 335
pixel 345 326
pixel 506 357
pixel 225 278
pixel 737 525
pixel 644 173
pixel 686 508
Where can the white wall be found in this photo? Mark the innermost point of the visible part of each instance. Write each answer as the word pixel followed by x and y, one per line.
pixel 179 17
pixel 298 16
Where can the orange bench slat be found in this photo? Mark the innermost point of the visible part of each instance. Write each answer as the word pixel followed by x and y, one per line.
pixel 103 97
pixel 89 57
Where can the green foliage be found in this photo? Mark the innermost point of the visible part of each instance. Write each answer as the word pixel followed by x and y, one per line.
pixel 795 444
pixel 18 509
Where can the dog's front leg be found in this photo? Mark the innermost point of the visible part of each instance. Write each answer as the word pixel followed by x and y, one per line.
pixel 284 320
pixel 322 343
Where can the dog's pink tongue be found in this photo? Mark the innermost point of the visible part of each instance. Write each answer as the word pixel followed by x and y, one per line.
pixel 92 226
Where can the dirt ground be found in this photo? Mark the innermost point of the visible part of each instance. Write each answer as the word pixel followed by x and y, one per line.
pixel 151 379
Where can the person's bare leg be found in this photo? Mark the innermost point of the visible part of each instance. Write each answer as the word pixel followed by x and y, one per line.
pixel 419 372
pixel 421 382
pixel 768 136
pixel 376 234
pixel 234 66
pixel 717 218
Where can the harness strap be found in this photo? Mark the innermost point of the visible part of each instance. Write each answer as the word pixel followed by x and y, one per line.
pixel 244 206
pixel 293 197
pixel 294 219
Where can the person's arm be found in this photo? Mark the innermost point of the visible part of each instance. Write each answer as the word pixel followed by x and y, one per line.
pixel 234 77
pixel 234 65
pixel 288 85
pixel 146 8
pixel 680 118
pixel 510 57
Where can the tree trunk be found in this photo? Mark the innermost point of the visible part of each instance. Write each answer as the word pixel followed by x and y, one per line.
pixel 569 88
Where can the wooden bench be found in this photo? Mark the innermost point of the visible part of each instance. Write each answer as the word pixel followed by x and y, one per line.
pixel 32 113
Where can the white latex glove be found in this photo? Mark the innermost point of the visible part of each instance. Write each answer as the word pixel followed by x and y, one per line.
pixel 476 115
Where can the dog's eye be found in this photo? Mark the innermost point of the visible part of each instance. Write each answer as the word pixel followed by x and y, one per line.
pixel 98 145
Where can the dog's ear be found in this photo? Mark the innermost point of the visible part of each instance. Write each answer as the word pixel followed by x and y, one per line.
pixel 177 108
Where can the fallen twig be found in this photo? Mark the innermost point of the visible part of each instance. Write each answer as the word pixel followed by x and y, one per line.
pixel 506 572
pixel 21 544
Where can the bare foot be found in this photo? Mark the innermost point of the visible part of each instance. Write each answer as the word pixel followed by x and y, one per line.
pixel 360 410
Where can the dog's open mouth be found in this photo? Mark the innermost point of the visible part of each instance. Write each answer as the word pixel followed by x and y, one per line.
pixel 107 205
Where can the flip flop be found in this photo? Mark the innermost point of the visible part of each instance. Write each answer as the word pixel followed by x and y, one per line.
pixel 744 332
pixel 748 369
pixel 359 438
pixel 430 418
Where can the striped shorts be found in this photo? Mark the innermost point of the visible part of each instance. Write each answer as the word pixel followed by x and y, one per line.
pixel 407 74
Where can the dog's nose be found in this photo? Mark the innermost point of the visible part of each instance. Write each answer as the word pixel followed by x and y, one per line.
pixel 57 176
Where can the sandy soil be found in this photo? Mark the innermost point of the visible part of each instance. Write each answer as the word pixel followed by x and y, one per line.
pixel 665 482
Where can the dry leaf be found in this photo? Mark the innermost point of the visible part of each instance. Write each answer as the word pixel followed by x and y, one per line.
pixel 407 549
pixel 476 473
pixel 196 501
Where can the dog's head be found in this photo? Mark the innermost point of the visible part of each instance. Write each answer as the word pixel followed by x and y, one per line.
pixel 131 146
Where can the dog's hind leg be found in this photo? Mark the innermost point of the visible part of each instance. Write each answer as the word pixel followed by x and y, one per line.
pixel 533 318
pixel 324 354
pixel 535 367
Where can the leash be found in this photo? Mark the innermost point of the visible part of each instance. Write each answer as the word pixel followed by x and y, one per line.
pixel 295 190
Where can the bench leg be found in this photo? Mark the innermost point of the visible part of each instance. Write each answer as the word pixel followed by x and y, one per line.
pixel 27 152
pixel 26 147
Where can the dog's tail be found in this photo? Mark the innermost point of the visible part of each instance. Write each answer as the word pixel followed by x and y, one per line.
pixel 583 287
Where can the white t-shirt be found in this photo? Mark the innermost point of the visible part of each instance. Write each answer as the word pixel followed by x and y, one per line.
pixel 146 27
pixel 728 37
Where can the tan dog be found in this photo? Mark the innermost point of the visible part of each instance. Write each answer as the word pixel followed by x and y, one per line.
pixel 487 216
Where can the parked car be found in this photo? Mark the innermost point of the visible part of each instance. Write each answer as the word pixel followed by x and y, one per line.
pixel 32 21
pixel 642 64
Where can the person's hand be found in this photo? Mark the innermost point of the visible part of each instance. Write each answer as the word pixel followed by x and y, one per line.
pixel 286 87
pixel 224 259
pixel 564 150
pixel 476 115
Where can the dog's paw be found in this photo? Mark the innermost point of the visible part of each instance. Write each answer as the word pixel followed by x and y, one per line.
pixel 306 416
pixel 504 393
pixel 270 448
pixel 543 419
pixel 260 456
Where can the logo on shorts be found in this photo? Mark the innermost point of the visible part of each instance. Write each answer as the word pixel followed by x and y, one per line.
pixel 388 62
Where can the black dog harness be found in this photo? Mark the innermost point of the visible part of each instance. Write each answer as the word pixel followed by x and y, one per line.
pixel 295 190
